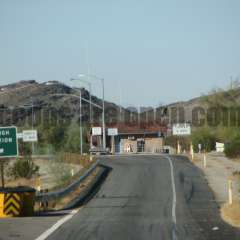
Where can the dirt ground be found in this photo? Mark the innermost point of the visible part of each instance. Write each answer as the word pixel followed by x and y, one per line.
pixel 46 177
pixel 218 172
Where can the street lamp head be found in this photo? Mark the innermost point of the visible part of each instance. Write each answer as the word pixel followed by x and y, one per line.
pixel 81 75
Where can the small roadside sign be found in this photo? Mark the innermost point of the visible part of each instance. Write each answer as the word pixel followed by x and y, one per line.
pixel 181 129
pixel 96 131
pixel 112 131
pixel 8 142
pixel 29 136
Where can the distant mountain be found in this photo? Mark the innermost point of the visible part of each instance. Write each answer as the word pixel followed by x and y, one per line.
pixel 61 100
pixel 53 96
pixel 203 105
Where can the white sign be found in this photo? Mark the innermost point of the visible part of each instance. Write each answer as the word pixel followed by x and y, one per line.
pixel 219 147
pixel 29 136
pixel 181 129
pixel 96 131
pixel 112 131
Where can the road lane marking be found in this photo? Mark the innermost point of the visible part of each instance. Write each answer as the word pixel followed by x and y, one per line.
pixel 174 202
pixel 58 224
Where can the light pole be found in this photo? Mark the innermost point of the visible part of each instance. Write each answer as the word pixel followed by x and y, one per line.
pixel 90 95
pixel 80 106
pixel 90 102
pixel 80 119
pixel 103 104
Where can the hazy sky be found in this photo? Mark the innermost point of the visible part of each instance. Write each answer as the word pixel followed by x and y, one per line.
pixel 147 51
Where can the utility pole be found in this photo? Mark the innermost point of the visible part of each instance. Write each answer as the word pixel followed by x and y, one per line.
pixel 103 115
pixel 90 113
pixel 80 121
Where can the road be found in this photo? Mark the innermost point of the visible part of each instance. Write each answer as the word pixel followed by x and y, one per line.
pixel 149 197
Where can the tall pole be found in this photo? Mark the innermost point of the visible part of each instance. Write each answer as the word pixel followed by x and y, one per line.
pixel 90 92
pixel 2 173
pixel 103 115
pixel 80 121
pixel 32 125
pixel 90 109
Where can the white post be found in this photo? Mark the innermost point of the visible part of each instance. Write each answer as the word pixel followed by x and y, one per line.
pixel 204 160
pixel 230 197
pixel 191 151
pixel 113 144
pixel 178 148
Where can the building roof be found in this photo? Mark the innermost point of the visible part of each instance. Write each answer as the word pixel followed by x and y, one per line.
pixel 124 129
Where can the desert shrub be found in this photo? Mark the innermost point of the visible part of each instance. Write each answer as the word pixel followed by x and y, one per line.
pixel 23 168
pixel 205 137
pixel 172 141
pixel 232 147
pixel 72 143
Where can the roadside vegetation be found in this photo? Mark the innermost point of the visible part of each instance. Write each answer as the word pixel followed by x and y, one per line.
pixel 60 143
pixel 23 167
pixel 61 137
pixel 223 124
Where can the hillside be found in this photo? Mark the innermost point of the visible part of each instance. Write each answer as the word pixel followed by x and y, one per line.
pixel 56 97
pixel 52 96
pixel 218 98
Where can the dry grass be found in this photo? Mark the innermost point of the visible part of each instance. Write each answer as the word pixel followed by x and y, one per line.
pixel 73 195
pixel 21 182
pixel 231 213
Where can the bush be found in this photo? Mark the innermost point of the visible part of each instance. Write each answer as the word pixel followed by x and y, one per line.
pixel 23 168
pixel 173 140
pixel 72 143
pixel 205 137
pixel 232 148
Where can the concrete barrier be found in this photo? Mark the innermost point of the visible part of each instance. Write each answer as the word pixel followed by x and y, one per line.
pixel 17 202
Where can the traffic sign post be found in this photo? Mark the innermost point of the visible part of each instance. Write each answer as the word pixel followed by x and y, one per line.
pixel 8 146
pixel 2 174
pixel 112 132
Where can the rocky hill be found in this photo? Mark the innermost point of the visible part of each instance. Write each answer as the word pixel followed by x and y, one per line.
pixel 52 97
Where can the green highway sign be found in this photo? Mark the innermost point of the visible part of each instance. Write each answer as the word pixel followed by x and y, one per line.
pixel 8 142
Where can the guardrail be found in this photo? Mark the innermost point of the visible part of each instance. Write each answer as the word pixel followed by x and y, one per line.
pixel 49 196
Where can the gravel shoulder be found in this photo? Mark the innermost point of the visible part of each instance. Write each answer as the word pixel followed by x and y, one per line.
pixel 218 171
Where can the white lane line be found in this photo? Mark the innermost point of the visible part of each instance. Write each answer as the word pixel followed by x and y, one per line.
pixel 59 223
pixel 174 203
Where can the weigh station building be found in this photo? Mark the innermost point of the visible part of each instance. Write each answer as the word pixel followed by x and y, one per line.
pixel 131 139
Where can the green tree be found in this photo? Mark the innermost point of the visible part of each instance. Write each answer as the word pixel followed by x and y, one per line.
pixel 73 139
pixel 205 137
pixel 232 148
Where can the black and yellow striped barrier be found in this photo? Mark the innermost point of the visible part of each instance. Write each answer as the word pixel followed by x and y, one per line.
pixel 16 202
pixel 12 204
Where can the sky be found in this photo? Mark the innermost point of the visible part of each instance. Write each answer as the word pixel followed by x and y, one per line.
pixel 149 52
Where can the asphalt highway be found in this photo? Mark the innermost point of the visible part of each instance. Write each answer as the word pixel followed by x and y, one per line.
pixel 149 197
